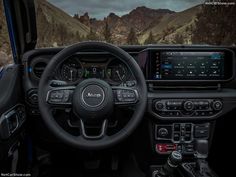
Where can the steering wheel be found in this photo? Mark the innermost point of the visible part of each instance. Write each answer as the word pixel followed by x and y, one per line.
pixel 92 100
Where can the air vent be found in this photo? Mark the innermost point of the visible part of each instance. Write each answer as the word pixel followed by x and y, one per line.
pixel 38 69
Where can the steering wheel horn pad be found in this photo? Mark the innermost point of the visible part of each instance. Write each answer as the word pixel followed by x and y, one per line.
pixel 93 100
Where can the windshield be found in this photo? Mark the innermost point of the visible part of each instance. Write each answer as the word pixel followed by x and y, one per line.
pixel 136 22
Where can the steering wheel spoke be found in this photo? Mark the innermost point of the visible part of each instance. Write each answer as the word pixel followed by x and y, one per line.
pixel 124 96
pixel 60 96
pixel 99 135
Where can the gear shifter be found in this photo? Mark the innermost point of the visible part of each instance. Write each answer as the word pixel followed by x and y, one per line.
pixel 173 161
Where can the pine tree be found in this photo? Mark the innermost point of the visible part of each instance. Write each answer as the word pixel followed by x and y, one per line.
pixel 132 37
pixel 107 33
pixel 150 39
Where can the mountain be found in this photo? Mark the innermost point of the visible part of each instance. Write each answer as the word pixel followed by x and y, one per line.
pixel 139 19
pixel 165 25
pixel 169 26
pixel 5 50
pixel 142 17
pixel 3 30
pixel 56 27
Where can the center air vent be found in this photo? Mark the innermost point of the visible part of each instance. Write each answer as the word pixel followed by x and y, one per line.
pixel 38 69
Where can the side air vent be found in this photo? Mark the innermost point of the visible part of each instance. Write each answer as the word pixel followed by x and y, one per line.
pixel 38 69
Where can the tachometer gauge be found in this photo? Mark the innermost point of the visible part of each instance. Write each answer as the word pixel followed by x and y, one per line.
pixel 117 71
pixel 71 70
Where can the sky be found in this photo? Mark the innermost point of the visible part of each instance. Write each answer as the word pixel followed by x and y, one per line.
pixel 101 8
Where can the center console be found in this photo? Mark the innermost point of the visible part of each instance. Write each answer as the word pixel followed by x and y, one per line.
pixel 186 97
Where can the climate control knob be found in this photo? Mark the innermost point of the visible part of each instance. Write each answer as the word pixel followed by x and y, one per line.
pixel 159 106
pixel 217 105
pixel 188 106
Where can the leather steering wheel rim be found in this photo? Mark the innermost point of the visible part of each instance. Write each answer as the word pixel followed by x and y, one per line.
pixel 108 141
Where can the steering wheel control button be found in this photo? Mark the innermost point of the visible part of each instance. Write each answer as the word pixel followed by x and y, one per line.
pixel 59 96
pixel 130 83
pixel 125 96
pixel 93 96
pixel 56 83
pixel 217 105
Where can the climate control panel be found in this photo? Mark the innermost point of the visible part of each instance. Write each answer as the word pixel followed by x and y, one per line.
pixel 187 107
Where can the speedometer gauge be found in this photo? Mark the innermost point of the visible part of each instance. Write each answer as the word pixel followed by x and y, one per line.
pixel 71 70
pixel 117 71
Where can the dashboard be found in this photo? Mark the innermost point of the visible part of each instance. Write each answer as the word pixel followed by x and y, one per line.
pixel 187 77
pixel 170 65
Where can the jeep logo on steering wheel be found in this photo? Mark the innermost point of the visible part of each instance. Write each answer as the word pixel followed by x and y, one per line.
pixel 93 95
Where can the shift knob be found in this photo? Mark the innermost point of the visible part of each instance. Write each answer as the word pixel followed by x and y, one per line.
pixel 173 161
pixel 201 149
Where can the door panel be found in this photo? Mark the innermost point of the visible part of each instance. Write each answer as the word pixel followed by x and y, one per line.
pixel 12 113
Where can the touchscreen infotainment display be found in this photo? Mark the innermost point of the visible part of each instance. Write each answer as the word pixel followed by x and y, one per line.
pixel 189 65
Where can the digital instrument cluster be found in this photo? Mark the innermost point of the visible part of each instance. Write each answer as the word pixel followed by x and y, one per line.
pixel 113 70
